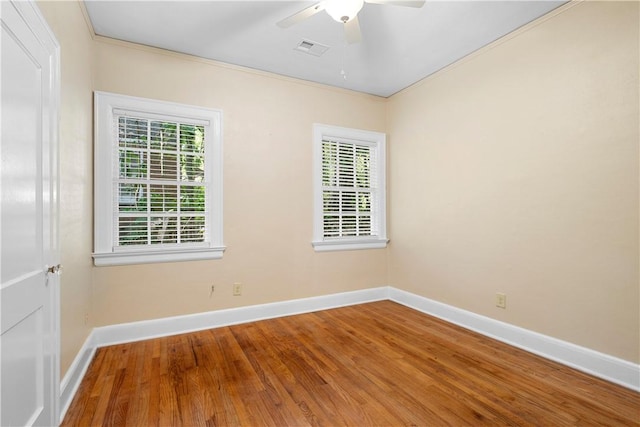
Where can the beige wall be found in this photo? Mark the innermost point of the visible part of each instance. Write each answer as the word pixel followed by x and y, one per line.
pixel 76 188
pixel 516 171
pixel 267 124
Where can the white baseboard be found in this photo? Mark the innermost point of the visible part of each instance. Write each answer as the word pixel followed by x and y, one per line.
pixel 598 364
pixel 601 365
pixel 72 379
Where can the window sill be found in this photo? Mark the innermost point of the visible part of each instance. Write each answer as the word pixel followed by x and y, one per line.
pixel 150 257
pixel 348 244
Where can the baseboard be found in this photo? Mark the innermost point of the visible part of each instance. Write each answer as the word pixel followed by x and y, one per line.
pixel 598 364
pixel 136 331
pixel 72 379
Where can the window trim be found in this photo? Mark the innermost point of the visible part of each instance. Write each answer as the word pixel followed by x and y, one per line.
pixel 104 246
pixel 378 140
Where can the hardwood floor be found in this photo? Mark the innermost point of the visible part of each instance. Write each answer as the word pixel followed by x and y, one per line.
pixel 377 364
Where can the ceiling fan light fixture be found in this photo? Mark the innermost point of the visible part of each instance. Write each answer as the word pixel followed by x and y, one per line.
pixel 343 10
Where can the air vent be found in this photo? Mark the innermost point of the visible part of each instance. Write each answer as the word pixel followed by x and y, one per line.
pixel 312 48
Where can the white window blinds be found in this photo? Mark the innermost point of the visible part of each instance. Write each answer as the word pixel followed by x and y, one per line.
pixel 157 181
pixel 160 184
pixel 349 189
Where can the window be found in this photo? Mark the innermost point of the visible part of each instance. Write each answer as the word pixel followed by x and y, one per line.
pixel 349 189
pixel 158 181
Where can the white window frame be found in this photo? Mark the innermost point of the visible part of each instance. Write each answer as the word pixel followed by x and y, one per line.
pixel 105 252
pixel 378 140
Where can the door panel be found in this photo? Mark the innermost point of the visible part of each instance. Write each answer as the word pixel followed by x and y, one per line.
pixel 21 127
pixel 28 187
pixel 23 372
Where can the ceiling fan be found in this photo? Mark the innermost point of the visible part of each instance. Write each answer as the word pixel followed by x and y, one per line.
pixel 345 11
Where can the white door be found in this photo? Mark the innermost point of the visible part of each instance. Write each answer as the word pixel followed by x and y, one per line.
pixel 29 344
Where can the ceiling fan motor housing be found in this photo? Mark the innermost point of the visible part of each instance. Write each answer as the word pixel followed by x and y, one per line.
pixel 343 10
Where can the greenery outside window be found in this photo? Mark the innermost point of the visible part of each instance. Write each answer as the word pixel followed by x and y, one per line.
pixel 158 181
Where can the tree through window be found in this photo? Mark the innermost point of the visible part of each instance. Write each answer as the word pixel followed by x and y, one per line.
pixel 161 184
pixel 158 171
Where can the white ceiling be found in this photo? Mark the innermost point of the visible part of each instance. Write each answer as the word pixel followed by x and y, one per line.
pixel 400 45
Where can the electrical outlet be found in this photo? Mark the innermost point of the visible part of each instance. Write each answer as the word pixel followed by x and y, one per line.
pixel 86 318
pixel 212 289
pixel 501 300
pixel 237 289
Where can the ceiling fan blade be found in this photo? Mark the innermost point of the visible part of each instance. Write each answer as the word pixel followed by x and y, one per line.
pixel 406 3
pixel 302 15
pixel 352 31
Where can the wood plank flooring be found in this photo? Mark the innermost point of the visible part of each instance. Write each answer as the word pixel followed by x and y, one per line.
pixel 376 364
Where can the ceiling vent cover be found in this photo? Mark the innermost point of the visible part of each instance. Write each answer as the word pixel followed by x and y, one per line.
pixel 311 47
